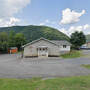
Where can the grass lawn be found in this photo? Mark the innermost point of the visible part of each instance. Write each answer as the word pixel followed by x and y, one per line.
pixel 72 54
pixel 86 66
pixel 70 83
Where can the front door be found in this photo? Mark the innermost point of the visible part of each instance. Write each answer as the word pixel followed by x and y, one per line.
pixel 43 52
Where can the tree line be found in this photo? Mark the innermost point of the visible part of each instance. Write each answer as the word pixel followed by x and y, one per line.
pixel 11 39
pixel 77 39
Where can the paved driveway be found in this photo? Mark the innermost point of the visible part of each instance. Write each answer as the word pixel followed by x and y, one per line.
pixel 11 66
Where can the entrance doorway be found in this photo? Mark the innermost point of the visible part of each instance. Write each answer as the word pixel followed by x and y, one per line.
pixel 43 51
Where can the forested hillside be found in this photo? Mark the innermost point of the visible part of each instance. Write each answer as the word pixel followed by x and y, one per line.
pixel 34 32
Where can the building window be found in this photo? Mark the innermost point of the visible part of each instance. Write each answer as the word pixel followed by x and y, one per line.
pixel 64 46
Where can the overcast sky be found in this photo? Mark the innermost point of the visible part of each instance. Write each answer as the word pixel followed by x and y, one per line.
pixel 65 15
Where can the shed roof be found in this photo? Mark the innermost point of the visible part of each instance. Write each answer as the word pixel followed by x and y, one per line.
pixel 55 42
pixel 39 40
pixel 61 42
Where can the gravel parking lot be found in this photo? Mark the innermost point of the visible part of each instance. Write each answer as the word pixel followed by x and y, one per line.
pixel 11 66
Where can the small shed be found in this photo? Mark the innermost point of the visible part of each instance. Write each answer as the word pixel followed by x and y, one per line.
pixel 13 50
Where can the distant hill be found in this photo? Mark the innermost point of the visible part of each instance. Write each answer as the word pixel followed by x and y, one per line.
pixel 34 32
pixel 88 37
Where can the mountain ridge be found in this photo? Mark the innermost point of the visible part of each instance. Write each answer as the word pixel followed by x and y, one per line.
pixel 33 32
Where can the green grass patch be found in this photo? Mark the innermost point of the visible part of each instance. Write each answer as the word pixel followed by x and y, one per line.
pixel 86 66
pixel 70 83
pixel 72 54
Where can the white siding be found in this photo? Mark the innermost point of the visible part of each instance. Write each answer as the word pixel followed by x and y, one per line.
pixel 65 49
pixel 31 50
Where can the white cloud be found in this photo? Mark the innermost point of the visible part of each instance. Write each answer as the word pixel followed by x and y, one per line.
pixel 44 22
pixel 41 24
pixel 64 31
pixel 9 22
pixel 47 22
pixel 70 16
pixel 85 28
pixel 8 8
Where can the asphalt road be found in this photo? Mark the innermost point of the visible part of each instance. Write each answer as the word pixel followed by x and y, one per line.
pixel 11 66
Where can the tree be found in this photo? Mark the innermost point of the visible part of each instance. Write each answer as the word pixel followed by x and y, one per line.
pixel 3 41
pixel 77 39
pixel 11 41
pixel 20 40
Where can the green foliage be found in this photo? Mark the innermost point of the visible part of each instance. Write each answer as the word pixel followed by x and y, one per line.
pixel 19 40
pixel 66 83
pixel 3 41
pixel 72 54
pixel 35 32
pixel 77 39
pixel 86 66
pixel 11 40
